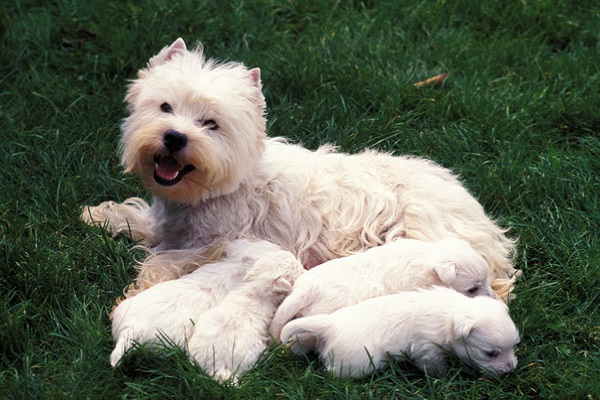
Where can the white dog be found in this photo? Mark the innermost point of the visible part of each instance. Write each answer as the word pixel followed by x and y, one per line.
pixel 228 339
pixel 402 265
pixel 422 325
pixel 169 309
pixel 196 135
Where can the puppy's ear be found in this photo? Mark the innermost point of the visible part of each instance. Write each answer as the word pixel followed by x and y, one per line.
pixel 446 272
pixel 255 75
pixel 463 325
pixel 178 46
pixel 281 287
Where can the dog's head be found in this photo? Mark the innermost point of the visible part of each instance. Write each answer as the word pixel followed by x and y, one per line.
pixel 462 268
pixel 195 127
pixel 486 337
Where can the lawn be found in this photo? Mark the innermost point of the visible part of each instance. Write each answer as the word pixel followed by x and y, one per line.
pixel 518 118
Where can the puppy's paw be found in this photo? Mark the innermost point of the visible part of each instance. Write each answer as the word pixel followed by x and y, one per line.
pixel 224 374
pixel 116 356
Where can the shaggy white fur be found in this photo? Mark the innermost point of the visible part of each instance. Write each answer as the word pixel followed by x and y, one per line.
pixel 229 338
pixel 196 135
pixel 403 265
pixel 168 310
pixel 422 325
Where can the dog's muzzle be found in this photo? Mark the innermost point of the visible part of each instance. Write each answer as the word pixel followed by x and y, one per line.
pixel 167 169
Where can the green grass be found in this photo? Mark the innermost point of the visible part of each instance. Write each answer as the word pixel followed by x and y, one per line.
pixel 518 118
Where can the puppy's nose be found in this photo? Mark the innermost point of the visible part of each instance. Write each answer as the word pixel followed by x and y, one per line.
pixel 509 366
pixel 174 141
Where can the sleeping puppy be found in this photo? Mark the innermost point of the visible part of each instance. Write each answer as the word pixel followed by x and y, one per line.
pixel 169 309
pixel 229 338
pixel 422 325
pixel 406 264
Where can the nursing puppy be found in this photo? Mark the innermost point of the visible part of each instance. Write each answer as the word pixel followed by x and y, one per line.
pixel 168 310
pixel 422 325
pixel 398 266
pixel 228 339
pixel 196 135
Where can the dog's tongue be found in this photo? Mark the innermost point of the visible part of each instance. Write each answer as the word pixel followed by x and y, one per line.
pixel 168 168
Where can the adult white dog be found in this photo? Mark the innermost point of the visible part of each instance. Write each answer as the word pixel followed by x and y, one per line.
pixel 196 135
pixel 403 265
pixel 422 325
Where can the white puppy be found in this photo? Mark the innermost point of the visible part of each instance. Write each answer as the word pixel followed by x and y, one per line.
pixel 229 338
pixel 422 325
pixel 169 309
pixel 398 266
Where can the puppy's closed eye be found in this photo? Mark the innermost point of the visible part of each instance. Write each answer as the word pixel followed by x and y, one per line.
pixel 492 353
pixel 474 290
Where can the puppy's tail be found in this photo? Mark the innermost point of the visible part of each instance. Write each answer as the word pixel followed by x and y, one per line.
pixel 286 312
pixel 306 334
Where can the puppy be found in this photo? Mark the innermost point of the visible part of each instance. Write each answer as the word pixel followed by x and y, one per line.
pixel 169 309
pixel 402 265
pixel 228 339
pixel 422 325
pixel 195 134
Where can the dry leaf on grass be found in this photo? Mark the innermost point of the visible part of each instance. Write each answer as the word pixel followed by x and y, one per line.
pixel 434 80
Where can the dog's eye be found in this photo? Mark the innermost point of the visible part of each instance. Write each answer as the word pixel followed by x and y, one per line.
pixel 210 124
pixel 166 108
pixel 492 353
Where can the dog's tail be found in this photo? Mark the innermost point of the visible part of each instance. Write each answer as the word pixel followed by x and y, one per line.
pixel 306 334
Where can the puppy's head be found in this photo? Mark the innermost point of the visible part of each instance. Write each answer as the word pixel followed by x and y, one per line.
pixel 277 270
pixel 463 269
pixel 195 128
pixel 486 337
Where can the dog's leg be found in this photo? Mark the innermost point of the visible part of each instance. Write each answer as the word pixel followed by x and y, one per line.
pixel 172 264
pixel 503 287
pixel 131 217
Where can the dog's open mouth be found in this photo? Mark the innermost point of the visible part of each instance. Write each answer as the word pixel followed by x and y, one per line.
pixel 168 171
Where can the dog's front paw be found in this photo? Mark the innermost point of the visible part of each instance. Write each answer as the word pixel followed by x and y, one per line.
pixel 131 217
pixel 97 215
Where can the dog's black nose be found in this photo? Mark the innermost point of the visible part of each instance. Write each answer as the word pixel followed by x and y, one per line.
pixel 174 141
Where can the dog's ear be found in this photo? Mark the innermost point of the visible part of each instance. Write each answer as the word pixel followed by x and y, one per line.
pixel 282 286
pixel 178 46
pixel 463 325
pixel 259 99
pixel 446 272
